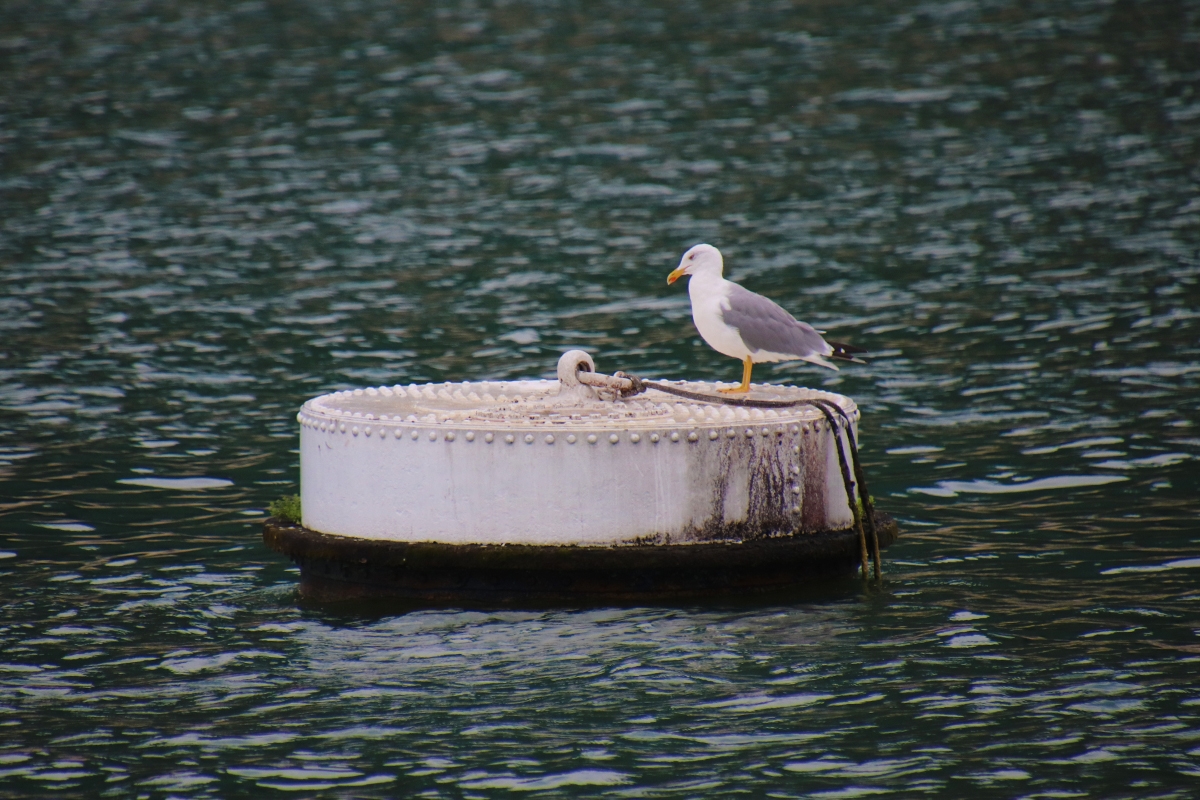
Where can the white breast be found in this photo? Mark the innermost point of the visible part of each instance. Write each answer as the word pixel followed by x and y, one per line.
pixel 709 297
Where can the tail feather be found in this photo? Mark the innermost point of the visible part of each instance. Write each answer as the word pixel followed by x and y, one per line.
pixel 846 352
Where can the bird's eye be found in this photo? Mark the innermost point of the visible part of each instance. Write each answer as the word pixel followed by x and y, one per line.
pixel 692 257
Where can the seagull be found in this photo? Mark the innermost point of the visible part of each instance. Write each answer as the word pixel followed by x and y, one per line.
pixel 741 324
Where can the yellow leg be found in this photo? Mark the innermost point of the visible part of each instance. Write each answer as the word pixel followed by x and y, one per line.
pixel 747 365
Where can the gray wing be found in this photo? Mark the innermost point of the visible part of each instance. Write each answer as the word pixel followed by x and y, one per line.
pixel 763 325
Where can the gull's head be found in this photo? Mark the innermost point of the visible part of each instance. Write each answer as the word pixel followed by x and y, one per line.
pixel 703 258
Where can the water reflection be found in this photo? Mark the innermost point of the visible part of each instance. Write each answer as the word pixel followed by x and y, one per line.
pixel 211 214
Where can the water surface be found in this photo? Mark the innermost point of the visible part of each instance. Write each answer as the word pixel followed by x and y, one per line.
pixel 209 213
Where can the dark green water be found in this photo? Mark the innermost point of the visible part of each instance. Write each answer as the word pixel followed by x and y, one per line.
pixel 211 212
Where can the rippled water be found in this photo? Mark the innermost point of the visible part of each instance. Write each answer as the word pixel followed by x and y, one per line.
pixel 210 213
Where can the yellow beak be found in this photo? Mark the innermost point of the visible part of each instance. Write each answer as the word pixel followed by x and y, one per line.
pixel 676 275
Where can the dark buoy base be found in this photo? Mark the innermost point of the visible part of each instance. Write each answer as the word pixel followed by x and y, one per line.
pixel 334 568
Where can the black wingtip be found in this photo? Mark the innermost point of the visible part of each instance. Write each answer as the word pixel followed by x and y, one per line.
pixel 845 352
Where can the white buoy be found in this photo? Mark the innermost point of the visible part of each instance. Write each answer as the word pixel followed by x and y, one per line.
pixel 560 464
